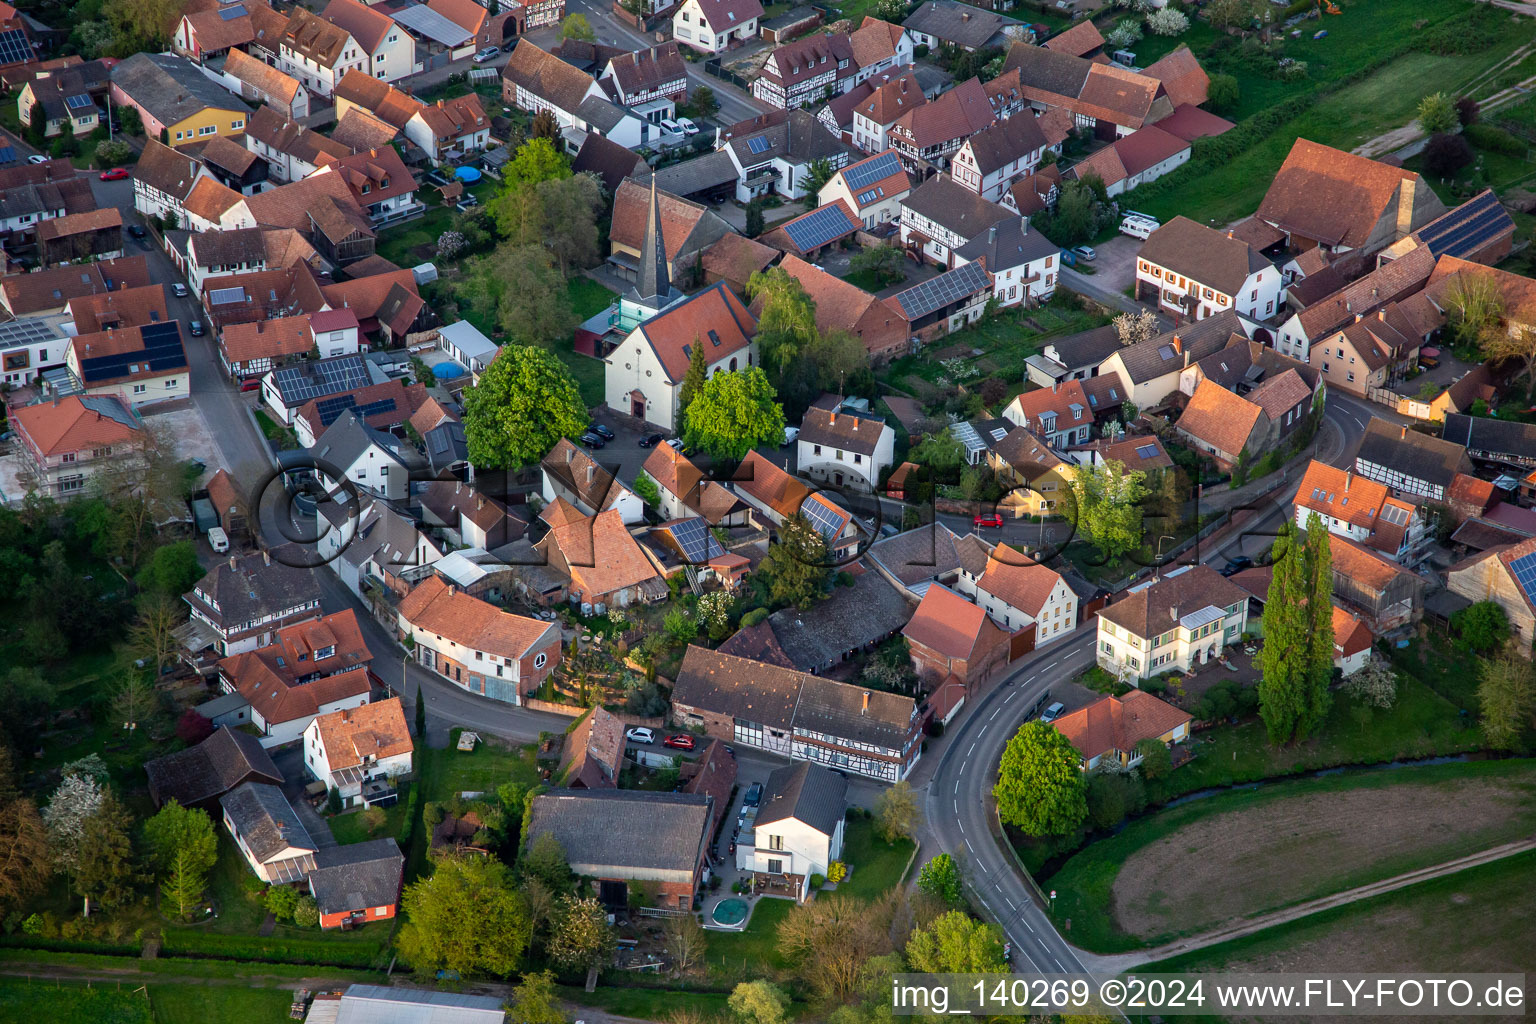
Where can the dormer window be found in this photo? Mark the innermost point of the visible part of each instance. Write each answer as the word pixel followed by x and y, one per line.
pixel 321 653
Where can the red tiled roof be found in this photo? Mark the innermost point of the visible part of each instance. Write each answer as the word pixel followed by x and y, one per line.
pixel 367 25
pixel 437 607
pixel 1330 195
pixel 715 309
pixel 598 553
pixel 1350 634
pixel 1019 580
pixel 1220 418
pixel 946 622
pixel 1343 494
pixel 1028 408
pixel 1119 723
pixel 1080 40
pixel 893 99
pixel 961 112
pixel 71 424
pixel 376 730
pixel 1469 490
pixel 1182 76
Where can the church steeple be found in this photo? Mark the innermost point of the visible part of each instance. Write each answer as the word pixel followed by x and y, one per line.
pixel 653 286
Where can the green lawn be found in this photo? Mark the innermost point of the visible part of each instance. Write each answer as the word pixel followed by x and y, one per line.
pixel 1301 857
pixel 201 1004
pixel 588 371
pixel 275 431
pixel 647 1003
pixel 877 865
pixel 757 945
pixel 66 1003
pixel 348 828
pixel 1442 668
pixel 482 771
pixel 588 297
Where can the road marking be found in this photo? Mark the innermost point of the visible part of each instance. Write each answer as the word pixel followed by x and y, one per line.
pixel 1030 927
pixel 968 846
pixel 1062 969
pixel 956 804
pixel 1011 694
pixel 958 822
pixel 972 749
pixel 995 712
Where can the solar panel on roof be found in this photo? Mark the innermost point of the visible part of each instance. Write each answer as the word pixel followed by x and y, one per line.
pixel 827 522
pixel 299 384
pixel 1146 451
pixel 1394 515
pixel 161 353
pixel 14 48
pixel 819 227
pixel 758 145
pixel 695 541
pixel 7 154
pixel 1523 569
pixel 1467 229
pixel 78 101
pixel 871 171
pixel 231 12
pixel 224 296
pixel 938 292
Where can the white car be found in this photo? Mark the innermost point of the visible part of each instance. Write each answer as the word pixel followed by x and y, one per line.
pixel 671 127
pixel 675 443
pixel 486 54
pixel 640 734
pixel 180 290
pixel 791 435
pixel 687 125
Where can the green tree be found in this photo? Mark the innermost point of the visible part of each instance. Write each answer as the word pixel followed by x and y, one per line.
pixel 280 901
pixel 734 412
pixel 885 262
pixel 1040 788
pixel 544 859
pixel 759 1002
pixel 796 565
pixel 576 26
pixel 786 326
pixel 465 917
pixel 172 570
pixel 421 713
pixel 525 401
pixel 1319 595
pixel 647 489
pixel 1072 223
pixel 1224 92
pixel 940 878
pixel 837 358
pixel 1480 627
pixel 129 121
pixel 897 815
pixel 182 847
pixel 1506 691
pixel 693 380
pixel 570 208
pixel 941 451
pixel 1437 114
pixel 956 944
pixel 754 225
pixel 105 871
pixel 704 102
pixel 816 175
pixel 306 912
pixel 534 1000
pixel 532 303
pixel 581 938
pixel 1106 503
pixel 1474 309
pixel 1293 692
pixel 1226 14
pixel 1156 762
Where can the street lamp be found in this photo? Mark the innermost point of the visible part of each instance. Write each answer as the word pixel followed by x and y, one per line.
pixel 1157 559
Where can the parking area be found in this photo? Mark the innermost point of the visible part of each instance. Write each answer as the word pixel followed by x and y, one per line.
pixel 1114 267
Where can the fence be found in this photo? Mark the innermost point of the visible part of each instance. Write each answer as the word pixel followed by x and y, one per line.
pixel 576 711
pixel 714 68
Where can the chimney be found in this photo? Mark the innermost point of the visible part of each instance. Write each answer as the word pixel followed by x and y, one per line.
pixel 992 235
pixel 865 709
pixel 832 417
pixel 1404 435
pixel 965 15
pixel 1381 314
pixel 1405 195
pixel 1229 232
pixel 1349 476
pixel 590 470
pixel 1178 343
pixel 1359 317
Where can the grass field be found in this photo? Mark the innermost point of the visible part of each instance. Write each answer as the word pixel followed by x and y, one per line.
pixel 348 828
pixel 488 766
pixel 64 1002
pixel 1191 868
pixel 1474 920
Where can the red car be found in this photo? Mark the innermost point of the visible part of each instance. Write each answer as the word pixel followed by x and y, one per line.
pixel 679 742
pixel 250 385
pixel 115 174
pixel 988 520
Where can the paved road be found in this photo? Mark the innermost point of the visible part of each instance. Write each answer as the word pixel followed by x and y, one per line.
pixel 958 799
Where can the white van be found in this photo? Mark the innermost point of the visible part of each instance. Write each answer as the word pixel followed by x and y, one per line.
pixel 218 539
pixel 1138 227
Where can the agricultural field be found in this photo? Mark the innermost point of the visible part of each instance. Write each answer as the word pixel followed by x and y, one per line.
pixel 1204 864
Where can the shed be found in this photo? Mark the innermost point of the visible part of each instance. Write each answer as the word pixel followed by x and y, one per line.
pixel 424 273
pixel 204 515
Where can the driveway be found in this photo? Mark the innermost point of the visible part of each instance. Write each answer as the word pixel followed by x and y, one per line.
pixel 1115 267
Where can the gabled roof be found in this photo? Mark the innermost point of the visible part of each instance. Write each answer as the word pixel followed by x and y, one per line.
pixel 770 484
pixel 1335 197
pixel 211 199
pixel 948 623
pixel 453 119
pixel 1506 438
pixel 680 219
pixel 1212 258
pixel 1391 281
pixel 125 307
pixel 1007 244
pixel 810 57
pixel 721 15
pixel 893 181
pixel 1154 607
pixel 314 38
pixel 1220 418
pixel 874 41
pixel 261 76
pixel 1019 580
pixel 272 129
pixel 215 31
pixel 915 556
pixel 1067 402
pixel 1342 494
pixel 1119 723
pixel 624 831
pixel 811 231
pixel 842 428
pixel 953 206
pixel 349 438
pixel 211 768
pixel 714 318
pixel 241 590
pixel 795 137
pixel 961 24
pixel 599 552
pixel 1280 393
pixel 547 76
pixel 367 25
pixel 649 68
pixel 383 100
pixel 734 257
pixel 580 473
pixel 266 823
pixel 171 88
pixel 466 14
pixel 53 288
pixel 851 618
pixel 611 162
pixel 956 114
pixel 1081 40
pixel 893 98
pixel 352 735
pixel 1005 141
pixel 1415 455
pixel 437 607
pixel 357 876
pixel 1190 123
pixel 1182 76
pixel 853 713
pixel 1350 634
pixel 162 168
pixel 294 652
pixel 1164 354
pixel 1045 74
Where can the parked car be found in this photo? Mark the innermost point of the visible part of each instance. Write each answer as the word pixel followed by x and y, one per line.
pixel 196 327
pixel 989 519
pixel 687 125
pixel 671 127
pixel 509 47
pixel 650 440
pixel 486 54
pixel 1085 253
pixel 1035 708
pixel 601 431
pixel 180 290
pixel 1237 565
pixel 682 741
pixel 754 795
pixel 1053 712
pixel 591 440
pixel 250 385
pixel 791 435
pixel 115 174
pixel 675 443
pixel 640 734
pixel 136 231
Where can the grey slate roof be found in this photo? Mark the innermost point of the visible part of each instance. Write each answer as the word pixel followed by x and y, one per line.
pixel 1484 434
pixel 945 201
pixel 446 446
pixel 604 831
pixel 210 769
pixel 957 23
pixel 345 441
pixel 357 876
pixel 1006 141
pixel 170 87
pixel 805 792
pixel 798 138
pixel 265 820
pixel 1048 70
pixel 1150 359
pixel 690 176
pixel 748 690
pixel 917 555
pixel 1007 244
pixel 252 588
pixel 1415 455
pixel 838 709
pixel 864 613
pixel 1086 348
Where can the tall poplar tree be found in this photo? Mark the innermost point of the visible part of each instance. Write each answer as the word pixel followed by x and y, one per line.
pixel 1319 582
pixel 693 380
pixel 1286 653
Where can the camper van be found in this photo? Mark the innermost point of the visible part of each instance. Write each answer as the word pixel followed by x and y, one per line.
pixel 218 539
pixel 1138 226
